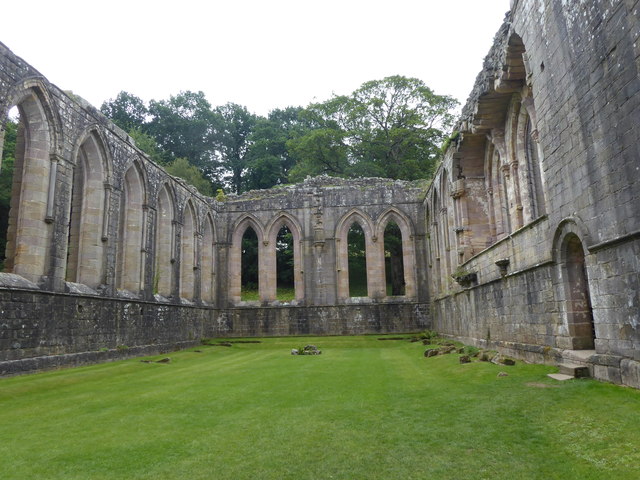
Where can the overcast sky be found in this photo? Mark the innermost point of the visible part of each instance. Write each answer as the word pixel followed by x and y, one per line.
pixel 261 54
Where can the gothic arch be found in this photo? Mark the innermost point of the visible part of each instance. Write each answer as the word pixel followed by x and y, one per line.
pixel 163 281
pixel 88 213
pixel 393 214
pixel 496 193
pixel 208 259
pixel 235 257
pixel 529 151
pixel 30 227
pixel 573 291
pixel 188 252
pixel 375 288
pixel 132 230
pixel 273 228
pixel 435 238
pixel 37 87
pixel 446 227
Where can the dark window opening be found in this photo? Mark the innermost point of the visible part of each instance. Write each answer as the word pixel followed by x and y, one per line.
pixel 250 281
pixel 284 265
pixel 393 260
pixel 357 262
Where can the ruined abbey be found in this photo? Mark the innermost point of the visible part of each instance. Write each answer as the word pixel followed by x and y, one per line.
pixel 526 241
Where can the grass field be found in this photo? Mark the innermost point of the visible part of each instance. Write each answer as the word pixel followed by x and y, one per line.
pixel 364 409
pixel 284 294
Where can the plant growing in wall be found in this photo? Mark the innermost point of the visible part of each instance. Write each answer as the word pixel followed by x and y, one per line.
pixel 464 277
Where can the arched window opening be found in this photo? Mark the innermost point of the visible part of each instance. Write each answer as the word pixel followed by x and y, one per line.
pixel 130 233
pixel 187 256
pixel 165 234
pixel 8 139
pixel 250 266
pixel 393 260
pixel 578 300
pixel 435 242
pixel 284 265
pixel 207 278
pixel 85 248
pixel 25 168
pixel 534 170
pixel 357 261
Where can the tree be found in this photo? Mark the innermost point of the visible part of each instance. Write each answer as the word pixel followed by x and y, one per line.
pixel 320 151
pixel 148 145
pixel 234 124
pixel 399 124
pixel 181 167
pixel 391 127
pixel 268 159
pixel 127 111
pixel 183 126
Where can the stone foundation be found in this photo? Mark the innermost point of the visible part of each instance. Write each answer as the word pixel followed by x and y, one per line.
pixel 42 330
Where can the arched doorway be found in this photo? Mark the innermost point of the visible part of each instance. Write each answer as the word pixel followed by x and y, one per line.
pixel 577 298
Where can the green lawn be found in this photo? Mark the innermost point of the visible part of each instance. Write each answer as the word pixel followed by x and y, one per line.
pixel 364 409
pixel 284 294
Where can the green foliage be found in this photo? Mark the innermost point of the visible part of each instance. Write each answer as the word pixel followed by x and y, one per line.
pixel 181 167
pixel 230 137
pixel 386 128
pixel 148 145
pixel 450 139
pixel 394 266
pixel 390 128
pixel 269 160
pixel 428 335
pixel 6 179
pixel 286 294
pixel 284 258
pixel 183 126
pixel 320 151
pixel 220 196
pixel 127 111
pixel 249 268
pixel 357 261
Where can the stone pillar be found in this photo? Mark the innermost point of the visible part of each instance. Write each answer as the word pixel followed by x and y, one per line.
pixel 267 270
pixel 376 278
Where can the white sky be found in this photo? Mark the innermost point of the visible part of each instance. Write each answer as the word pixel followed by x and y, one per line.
pixel 261 54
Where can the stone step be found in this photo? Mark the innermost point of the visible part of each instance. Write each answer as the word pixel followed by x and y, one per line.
pixel 560 376
pixel 574 370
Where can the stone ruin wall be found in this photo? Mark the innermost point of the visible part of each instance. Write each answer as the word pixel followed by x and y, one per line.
pixel 527 240
pixel 546 165
pixel 109 256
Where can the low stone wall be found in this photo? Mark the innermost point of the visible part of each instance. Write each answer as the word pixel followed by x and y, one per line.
pixel 353 319
pixel 41 330
pixel 521 315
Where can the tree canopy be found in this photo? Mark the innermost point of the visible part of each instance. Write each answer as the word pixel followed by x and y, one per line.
pixel 391 128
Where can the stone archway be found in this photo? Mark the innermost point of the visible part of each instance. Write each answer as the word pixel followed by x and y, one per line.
pixel 579 314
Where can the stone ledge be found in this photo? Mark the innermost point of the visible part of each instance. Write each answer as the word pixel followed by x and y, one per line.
pixel 11 280
pixel 51 362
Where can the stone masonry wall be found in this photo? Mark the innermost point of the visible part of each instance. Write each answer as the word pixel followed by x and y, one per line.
pixel 573 67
